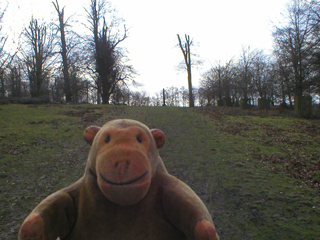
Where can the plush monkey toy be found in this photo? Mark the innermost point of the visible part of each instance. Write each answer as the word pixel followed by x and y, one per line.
pixel 125 193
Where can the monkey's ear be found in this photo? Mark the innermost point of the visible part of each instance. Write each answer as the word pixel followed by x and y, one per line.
pixel 90 133
pixel 159 137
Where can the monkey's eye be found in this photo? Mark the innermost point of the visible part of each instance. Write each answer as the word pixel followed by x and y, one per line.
pixel 139 139
pixel 107 139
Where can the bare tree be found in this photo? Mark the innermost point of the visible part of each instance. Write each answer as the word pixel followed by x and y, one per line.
pixel 105 42
pixel 184 96
pixel 3 41
pixel 185 48
pixel 245 75
pixel 37 54
pixel 5 58
pixel 64 51
pixel 207 88
pixel 295 43
pixel 15 81
pixel 217 84
pixel 283 75
pixel 315 22
pixel 263 79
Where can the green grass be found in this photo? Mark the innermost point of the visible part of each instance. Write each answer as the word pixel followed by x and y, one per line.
pixel 277 205
pixel 240 164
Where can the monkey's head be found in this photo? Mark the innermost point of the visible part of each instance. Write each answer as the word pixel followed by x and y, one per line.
pixel 124 156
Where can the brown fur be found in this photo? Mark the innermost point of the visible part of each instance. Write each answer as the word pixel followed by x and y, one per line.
pixel 125 193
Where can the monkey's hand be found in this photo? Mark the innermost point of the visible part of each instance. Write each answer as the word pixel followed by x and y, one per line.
pixel 32 228
pixel 204 230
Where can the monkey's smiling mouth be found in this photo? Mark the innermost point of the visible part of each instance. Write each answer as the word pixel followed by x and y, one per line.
pixel 123 183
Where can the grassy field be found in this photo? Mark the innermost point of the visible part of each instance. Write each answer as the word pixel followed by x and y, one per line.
pixel 257 172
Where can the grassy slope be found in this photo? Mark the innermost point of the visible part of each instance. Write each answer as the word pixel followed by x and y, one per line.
pixel 42 151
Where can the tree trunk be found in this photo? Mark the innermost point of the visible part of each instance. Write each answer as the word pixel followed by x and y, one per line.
pixel 187 57
pixel 3 92
pixel 191 102
pixel 67 86
pixel 164 98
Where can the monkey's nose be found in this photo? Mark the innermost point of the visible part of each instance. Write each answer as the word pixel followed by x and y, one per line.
pixel 122 169
pixel 122 164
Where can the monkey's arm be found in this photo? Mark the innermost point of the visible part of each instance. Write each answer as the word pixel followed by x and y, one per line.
pixel 54 217
pixel 187 212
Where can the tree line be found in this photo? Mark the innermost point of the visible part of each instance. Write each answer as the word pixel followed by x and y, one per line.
pixel 54 60
pixel 290 76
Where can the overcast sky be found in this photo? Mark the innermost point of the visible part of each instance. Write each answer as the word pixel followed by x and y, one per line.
pixel 218 27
